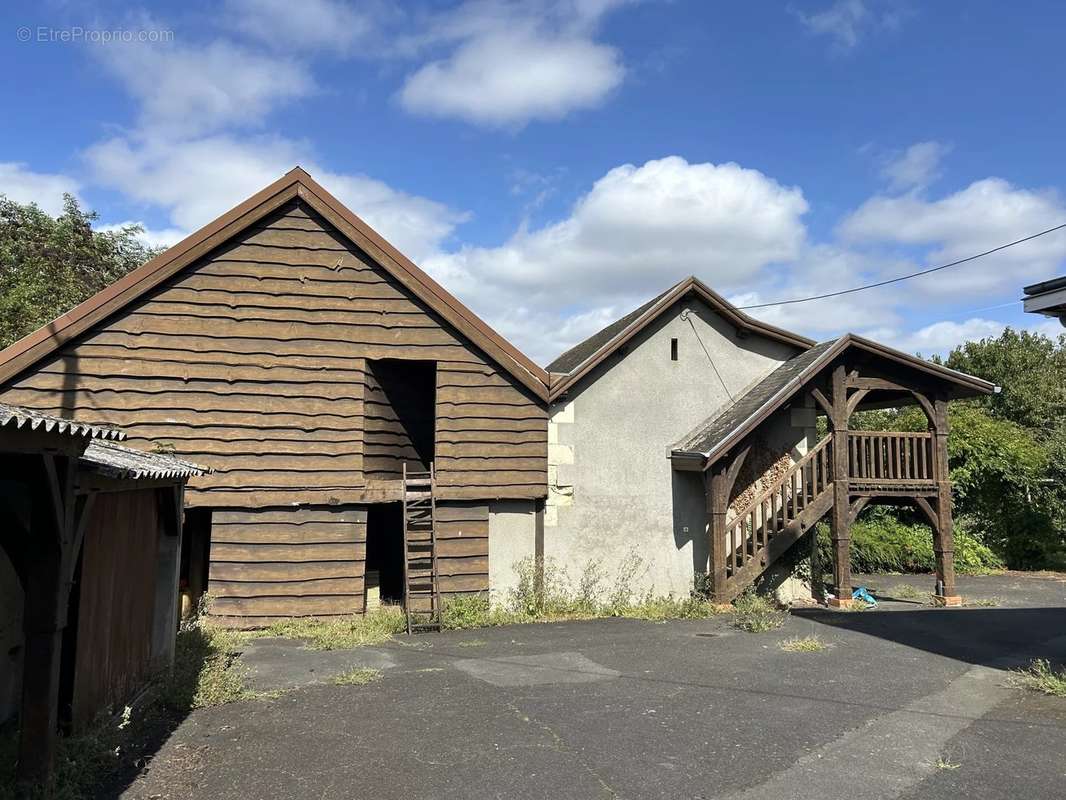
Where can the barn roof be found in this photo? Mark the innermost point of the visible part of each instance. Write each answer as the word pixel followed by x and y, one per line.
pixel 27 419
pixel 578 361
pixel 295 184
pixel 117 461
pixel 717 434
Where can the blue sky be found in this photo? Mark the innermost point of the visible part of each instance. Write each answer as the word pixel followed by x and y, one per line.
pixel 556 162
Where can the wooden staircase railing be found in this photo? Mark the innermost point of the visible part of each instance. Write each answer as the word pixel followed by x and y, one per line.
pixel 777 517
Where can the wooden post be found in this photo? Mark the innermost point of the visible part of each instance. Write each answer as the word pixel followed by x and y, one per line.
pixel 47 591
pixel 168 566
pixel 841 523
pixel 717 497
pixel 943 535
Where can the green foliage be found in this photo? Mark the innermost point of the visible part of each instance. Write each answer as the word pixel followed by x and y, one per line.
pixel 207 669
pixel 374 627
pixel 544 592
pixel 1007 451
pixel 756 613
pixel 1039 676
pixel 891 540
pixel 50 264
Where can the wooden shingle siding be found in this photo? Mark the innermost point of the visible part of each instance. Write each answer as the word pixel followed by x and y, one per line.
pixel 302 562
pixel 254 361
pixel 463 547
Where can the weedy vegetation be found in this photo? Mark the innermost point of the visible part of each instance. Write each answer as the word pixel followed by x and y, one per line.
pixel 755 613
pixel 357 677
pixel 1041 677
pixel 804 644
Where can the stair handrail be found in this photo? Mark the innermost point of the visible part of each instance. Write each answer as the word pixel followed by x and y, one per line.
pixel 776 487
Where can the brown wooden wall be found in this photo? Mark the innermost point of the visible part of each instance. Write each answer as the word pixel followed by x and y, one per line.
pixel 254 361
pixel 269 564
pixel 116 601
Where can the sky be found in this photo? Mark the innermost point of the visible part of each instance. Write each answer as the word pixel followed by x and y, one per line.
pixel 556 163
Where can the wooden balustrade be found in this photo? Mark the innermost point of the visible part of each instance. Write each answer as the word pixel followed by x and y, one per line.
pixel 890 458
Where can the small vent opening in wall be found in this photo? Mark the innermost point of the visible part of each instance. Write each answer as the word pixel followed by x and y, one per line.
pixel 673 349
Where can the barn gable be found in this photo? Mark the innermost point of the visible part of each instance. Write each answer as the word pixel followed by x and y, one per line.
pixel 267 347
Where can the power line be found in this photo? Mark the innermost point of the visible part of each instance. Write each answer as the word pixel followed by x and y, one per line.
pixel 904 277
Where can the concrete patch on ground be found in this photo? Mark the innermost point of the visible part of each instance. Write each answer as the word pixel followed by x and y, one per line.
pixel 276 663
pixel 547 668
pixel 891 753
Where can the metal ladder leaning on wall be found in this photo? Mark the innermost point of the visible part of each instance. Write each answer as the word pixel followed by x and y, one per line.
pixel 421 597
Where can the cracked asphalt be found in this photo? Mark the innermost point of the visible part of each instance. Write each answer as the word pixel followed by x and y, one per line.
pixel 906 702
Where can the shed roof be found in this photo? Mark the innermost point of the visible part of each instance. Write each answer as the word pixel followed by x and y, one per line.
pixel 117 461
pixel 295 184
pixel 578 361
pixel 720 432
pixel 25 418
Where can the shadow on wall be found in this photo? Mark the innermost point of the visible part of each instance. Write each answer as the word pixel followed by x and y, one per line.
pixel 690 517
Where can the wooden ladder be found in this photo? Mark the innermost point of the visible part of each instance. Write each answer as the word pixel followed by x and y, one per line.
pixel 421 597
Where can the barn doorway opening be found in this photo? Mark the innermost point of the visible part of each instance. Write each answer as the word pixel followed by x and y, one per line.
pixel 384 554
pixel 401 398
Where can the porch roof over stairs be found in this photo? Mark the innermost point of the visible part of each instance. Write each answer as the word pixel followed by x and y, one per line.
pixel 718 433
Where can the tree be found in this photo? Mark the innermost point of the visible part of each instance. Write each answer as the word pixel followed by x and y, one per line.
pixel 50 264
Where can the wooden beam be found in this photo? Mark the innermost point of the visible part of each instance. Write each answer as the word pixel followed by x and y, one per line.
pixel 823 401
pixel 716 495
pixel 855 399
pixel 841 525
pixel 944 536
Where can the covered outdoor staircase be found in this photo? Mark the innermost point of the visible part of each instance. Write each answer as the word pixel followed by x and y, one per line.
pixel 776 518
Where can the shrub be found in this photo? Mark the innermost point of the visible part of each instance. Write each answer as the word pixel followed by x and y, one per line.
pixel 756 613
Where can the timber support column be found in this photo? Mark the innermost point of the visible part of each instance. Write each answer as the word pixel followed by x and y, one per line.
pixel 944 534
pixel 716 491
pixel 840 520
pixel 47 592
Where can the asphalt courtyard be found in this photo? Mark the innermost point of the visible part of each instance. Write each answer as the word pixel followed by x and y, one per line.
pixel 906 702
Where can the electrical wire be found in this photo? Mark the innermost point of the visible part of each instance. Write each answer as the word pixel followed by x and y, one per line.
pixel 903 277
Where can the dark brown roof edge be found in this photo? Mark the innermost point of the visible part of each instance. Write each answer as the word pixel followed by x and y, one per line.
pixel 295 183
pixel 709 296
pixel 978 385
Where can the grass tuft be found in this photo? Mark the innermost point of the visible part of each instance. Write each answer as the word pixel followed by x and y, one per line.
pixel 946 765
pixel 375 627
pixel 1039 676
pixel 804 644
pixel 207 669
pixel 757 614
pixel 904 591
pixel 357 677
pixel 985 602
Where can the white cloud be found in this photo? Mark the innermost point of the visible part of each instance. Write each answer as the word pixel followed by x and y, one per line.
pixel 153 237
pixel 512 78
pixel 939 337
pixel 842 21
pixel 984 215
pixel 845 22
pixel 195 180
pixel 200 88
pixel 916 167
pixel 511 63
pixel 309 24
pixel 638 230
pixel 21 184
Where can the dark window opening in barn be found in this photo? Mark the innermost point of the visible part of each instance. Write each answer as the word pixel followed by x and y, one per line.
pixel 400 416
pixel 673 349
pixel 384 554
pixel 195 557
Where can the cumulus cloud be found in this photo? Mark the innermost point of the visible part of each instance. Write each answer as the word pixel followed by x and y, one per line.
pixel 510 63
pixel 635 232
pixel 21 184
pixel 985 214
pixel 194 89
pixel 310 24
pixel 195 180
pixel 939 337
pixel 153 237
pixel 916 167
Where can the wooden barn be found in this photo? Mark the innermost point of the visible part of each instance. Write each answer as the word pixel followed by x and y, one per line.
pixel 366 430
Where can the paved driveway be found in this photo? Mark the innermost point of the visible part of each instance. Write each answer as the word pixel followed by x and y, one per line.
pixel 908 702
